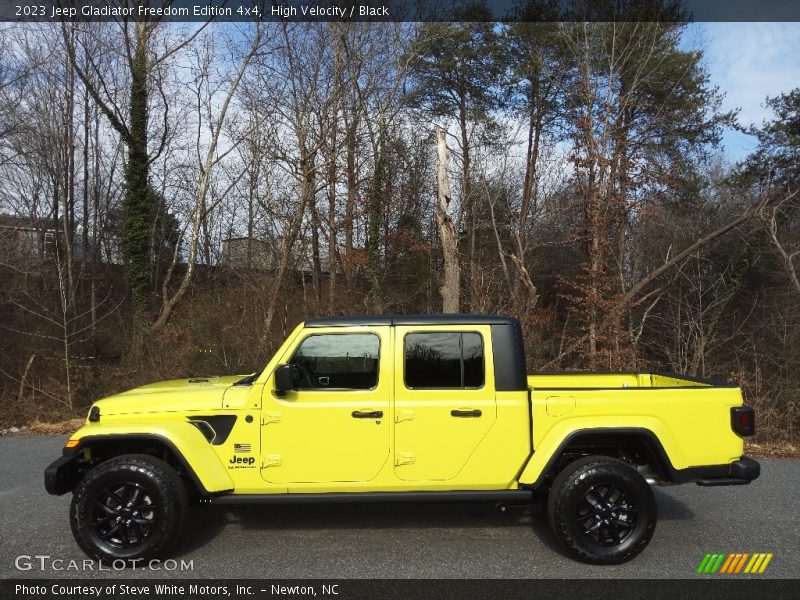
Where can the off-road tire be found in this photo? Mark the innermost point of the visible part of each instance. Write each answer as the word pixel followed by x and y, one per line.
pixel 623 521
pixel 139 481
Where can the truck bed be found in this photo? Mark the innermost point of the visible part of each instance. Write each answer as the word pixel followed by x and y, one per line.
pixel 690 417
pixel 586 380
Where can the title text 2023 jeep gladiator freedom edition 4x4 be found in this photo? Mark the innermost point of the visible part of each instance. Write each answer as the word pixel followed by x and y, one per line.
pixel 401 408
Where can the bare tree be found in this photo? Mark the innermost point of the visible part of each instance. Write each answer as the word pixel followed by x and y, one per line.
pixel 207 162
pixel 785 243
pixel 380 92
pixel 290 94
pixel 134 45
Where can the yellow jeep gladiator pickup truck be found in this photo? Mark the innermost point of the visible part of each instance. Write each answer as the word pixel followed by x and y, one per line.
pixel 401 408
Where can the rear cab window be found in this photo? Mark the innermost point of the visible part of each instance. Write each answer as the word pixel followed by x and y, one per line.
pixel 443 360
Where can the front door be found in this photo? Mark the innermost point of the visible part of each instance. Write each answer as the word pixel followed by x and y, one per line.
pixel 444 399
pixel 334 427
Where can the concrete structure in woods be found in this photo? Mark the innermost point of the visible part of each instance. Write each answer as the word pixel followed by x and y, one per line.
pixel 24 239
pixel 247 253
pixel 252 253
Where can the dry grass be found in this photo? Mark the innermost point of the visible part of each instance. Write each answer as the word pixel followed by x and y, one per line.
pixel 61 428
pixel 779 450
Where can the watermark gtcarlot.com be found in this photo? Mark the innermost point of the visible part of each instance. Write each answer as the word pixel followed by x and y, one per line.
pixel 45 562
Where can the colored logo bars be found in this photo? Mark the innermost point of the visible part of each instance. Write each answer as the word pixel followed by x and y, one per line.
pixel 734 563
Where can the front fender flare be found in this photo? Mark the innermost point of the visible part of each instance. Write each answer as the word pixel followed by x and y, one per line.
pixel 184 440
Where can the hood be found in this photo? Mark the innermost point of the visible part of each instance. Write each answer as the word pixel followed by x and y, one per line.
pixel 197 393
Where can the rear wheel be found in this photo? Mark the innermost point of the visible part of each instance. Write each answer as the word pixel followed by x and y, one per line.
pixel 130 507
pixel 602 510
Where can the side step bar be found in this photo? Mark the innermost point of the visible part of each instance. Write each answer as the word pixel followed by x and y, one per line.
pixel 364 497
pixel 722 481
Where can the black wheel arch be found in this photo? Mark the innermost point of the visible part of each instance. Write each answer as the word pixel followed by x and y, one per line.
pixel 106 446
pixel 636 446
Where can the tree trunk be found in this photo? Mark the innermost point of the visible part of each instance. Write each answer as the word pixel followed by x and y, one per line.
pixel 86 131
pixel 469 210
pixel 531 159
pixel 137 203
pixel 316 263
pixel 374 232
pixel 450 289
pixel 206 238
pixel 352 185
pixel 332 143
pixel 96 234
pixel 528 197
pixel 594 275
pixel 289 239
pixel 252 187
pixel 332 225
pixel 69 182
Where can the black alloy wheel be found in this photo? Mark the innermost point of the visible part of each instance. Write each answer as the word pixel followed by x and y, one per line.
pixel 124 515
pixel 129 507
pixel 602 510
pixel 606 515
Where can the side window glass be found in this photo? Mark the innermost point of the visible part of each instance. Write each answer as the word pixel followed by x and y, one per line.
pixel 337 361
pixel 472 353
pixel 433 360
pixel 443 360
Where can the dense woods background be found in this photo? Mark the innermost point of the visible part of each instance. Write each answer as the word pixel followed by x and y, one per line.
pixel 175 198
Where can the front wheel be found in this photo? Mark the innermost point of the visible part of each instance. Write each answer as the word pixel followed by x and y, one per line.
pixel 602 510
pixel 130 507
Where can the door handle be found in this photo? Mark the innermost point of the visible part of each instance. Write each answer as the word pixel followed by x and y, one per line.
pixel 367 414
pixel 466 413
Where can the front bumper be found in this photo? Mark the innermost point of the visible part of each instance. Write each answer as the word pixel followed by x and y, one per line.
pixel 739 472
pixel 62 475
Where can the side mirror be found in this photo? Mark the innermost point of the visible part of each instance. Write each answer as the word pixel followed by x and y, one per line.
pixel 284 379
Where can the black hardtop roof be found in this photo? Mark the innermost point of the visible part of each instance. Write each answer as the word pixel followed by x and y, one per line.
pixel 431 319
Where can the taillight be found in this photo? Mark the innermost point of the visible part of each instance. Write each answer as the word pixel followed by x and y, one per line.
pixel 743 420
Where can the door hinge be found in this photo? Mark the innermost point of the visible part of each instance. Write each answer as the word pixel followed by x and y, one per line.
pixel 404 458
pixel 271 460
pixel 403 415
pixel 273 417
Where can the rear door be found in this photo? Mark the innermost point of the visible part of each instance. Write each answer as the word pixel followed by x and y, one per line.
pixel 335 426
pixel 444 398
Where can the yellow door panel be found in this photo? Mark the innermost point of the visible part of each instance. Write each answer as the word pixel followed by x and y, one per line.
pixel 335 427
pixel 444 399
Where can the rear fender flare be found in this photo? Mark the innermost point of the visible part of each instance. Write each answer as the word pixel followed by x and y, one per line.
pixel 535 472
